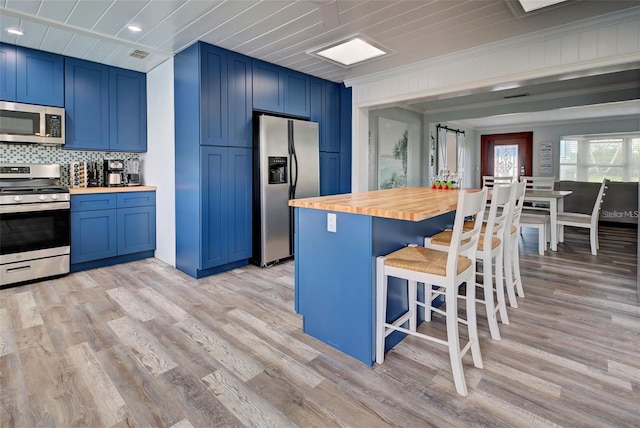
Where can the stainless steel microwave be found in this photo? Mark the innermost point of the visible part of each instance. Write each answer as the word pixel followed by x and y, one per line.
pixel 28 123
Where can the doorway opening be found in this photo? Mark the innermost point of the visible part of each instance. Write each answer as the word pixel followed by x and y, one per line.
pixel 506 155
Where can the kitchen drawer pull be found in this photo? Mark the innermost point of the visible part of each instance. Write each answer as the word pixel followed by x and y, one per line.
pixel 18 269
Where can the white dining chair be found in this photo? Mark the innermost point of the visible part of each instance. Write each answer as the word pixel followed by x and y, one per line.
pixel 589 221
pixel 513 279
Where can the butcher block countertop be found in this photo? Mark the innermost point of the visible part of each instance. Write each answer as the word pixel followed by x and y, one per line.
pixel 407 203
pixel 90 190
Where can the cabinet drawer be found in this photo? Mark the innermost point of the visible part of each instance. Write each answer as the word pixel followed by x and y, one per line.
pixel 98 201
pixel 136 199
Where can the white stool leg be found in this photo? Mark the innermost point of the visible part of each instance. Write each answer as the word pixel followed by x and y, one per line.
pixel 412 289
pixel 560 233
pixel 451 300
pixel 472 327
pixel 381 309
pixel 428 295
pixel 487 285
pixel 502 305
pixel 516 271
pixel 511 281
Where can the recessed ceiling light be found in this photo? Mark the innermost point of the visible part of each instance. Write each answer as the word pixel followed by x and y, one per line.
pixel 134 28
pixel 349 52
pixel 529 5
pixel 15 31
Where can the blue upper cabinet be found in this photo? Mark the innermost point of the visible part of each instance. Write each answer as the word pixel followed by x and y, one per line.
pixel 127 110
pixel 106 107
pixel 240 102
pixel 268 87
pixel 325 109
pixel 86 96
pixel 7 72
pixel 213 109
pixel 296 94
pixel 39 77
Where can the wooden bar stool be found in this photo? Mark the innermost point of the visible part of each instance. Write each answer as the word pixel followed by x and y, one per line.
pixel 445 270
pixel 490 251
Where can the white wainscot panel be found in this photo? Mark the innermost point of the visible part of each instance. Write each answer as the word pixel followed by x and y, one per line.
pixel 588 45
pixel 607 41
pixel 628 37
pixel 570 49
pixel 552 53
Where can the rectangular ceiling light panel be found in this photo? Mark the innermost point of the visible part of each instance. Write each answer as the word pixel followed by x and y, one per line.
pixel 529 5
pixel 351 52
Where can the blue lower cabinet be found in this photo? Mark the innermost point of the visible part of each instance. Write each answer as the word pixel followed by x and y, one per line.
pixel 111 228
pixel 136 229
pixel 93 235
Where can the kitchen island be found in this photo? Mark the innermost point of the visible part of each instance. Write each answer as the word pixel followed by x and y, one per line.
pixel 337 239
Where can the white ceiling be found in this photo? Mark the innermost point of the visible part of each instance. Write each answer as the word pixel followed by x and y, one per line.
pixel 280 31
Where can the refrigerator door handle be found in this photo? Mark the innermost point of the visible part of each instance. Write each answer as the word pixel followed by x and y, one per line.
pixel 293 161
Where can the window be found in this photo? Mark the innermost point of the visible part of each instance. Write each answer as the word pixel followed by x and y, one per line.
pixel 594 157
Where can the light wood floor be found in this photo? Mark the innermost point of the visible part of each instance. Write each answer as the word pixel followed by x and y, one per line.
pixel 142 344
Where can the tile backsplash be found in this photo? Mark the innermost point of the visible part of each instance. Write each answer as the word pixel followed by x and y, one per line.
pixel 39 153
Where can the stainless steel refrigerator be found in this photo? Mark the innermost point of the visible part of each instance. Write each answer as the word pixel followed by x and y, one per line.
pixel 288 168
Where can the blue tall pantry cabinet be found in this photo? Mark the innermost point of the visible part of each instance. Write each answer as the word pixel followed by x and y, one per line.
pixel 213 100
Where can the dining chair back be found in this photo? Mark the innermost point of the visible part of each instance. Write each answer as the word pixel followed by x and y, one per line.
pixel 490 180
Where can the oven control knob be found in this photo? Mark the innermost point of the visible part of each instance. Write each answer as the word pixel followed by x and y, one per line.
pixel 54 197
pixel 42 197
pixel 17 198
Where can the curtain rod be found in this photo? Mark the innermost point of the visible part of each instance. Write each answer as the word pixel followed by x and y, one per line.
pixel 457 131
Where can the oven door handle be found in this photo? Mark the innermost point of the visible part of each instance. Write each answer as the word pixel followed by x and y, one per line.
pixel 48 206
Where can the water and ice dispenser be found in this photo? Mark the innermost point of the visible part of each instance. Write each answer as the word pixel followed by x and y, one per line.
pixel 277 169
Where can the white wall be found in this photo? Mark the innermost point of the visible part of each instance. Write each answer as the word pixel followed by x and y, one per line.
pixel 604 43
pixel 553 133
pixel 158 164
pixel 415 147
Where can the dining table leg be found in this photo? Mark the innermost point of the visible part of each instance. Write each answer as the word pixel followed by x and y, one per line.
pixel 553 208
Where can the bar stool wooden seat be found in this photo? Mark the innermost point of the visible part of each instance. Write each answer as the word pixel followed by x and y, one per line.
pixel 490 250
pixel 444 270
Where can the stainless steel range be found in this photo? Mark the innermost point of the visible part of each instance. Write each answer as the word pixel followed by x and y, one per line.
pixel 34 223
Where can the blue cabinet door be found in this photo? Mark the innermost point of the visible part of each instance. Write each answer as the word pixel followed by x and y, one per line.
pixel 93 235
pixel 86 95
pixel 214 108
pixel 136 229
pixel 240 103
pixel 325 109
pixel 7 72
pixel 329 173
pixel 296 94
pixel 316 111
pixel 268 87
pixel 331 118
pixel 240 203
pixel 39 77
pixel 214 238
pixel 127 110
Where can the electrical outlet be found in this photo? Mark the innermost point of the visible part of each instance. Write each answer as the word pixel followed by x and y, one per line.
pixel 331 222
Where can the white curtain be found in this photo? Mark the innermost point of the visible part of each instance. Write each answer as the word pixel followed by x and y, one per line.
pixel 460 143
pixel 442 149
